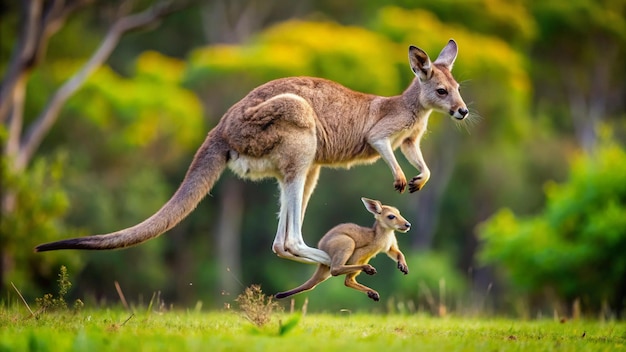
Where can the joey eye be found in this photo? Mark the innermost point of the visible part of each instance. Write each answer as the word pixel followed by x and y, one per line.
pixel 442 92
pixel 391 217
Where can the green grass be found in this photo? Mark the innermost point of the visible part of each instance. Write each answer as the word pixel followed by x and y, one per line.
pixel 118 330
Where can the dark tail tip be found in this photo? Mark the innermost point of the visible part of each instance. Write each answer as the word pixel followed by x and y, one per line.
pixel 64 244
pixel 47 247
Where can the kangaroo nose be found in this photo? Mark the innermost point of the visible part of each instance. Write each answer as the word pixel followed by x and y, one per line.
pixel 463 111
pixel 408 225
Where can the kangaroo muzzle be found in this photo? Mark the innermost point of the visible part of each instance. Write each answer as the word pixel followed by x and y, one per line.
pixel 460 113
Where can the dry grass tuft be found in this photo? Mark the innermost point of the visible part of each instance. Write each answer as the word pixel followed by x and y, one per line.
pixel 256 306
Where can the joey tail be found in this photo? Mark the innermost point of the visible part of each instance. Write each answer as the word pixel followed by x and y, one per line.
pixel 207 166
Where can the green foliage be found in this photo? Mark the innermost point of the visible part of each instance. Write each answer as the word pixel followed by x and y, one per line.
pixel 575 245
pixel 39 203
pixel 354 56
pixel 48 302
pixel 509 20
pixel 138 111
pixel 433 281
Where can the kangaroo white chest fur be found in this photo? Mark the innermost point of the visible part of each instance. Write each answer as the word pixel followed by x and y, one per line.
pixel 288 129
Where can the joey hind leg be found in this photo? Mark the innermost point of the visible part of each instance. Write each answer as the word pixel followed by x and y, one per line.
pixel 321 274
pixel 341 248
pixel 351 282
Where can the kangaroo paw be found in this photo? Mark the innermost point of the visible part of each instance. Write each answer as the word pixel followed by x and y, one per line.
pixel 403 268
pixel 373 295
pixel 369 270
pixel 416 183
pixel 400 185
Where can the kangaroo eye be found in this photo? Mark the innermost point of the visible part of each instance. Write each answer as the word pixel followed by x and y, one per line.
pixel 442 91
pixel 391 217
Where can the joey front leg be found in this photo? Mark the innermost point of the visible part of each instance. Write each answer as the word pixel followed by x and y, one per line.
pixel 383 147
pixel 395 254
pixel 411 150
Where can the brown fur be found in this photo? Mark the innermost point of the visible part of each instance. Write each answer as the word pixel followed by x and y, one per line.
pixel 291 127
pixel 351 247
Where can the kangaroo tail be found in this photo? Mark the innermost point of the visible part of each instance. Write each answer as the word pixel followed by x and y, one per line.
pixel 207 166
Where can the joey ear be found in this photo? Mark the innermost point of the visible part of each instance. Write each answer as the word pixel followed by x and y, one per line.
pixel 373 206
pixel 448 54
pixel 420 63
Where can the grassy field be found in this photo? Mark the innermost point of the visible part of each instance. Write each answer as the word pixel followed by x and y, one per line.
pixel 119 330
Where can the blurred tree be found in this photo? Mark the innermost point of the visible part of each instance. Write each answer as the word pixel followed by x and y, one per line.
pixel 582 48
pixel 38 22
pixel 575 245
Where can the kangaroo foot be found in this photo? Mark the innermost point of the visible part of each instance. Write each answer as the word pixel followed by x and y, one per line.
pixel 373 295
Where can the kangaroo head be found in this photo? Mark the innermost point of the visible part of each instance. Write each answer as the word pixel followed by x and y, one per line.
pixel 438 89
pixel 388 216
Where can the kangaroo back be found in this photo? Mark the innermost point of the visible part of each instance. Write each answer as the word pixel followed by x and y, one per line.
pixel 206 167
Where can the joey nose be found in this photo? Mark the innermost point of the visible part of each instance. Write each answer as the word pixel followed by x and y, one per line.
pixel 459 114
pixel 408 225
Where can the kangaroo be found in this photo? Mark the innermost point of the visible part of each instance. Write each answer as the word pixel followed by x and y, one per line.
pixel 351 247
pixel 288 129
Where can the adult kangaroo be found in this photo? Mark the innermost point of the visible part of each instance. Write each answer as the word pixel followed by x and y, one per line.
pixel 288 129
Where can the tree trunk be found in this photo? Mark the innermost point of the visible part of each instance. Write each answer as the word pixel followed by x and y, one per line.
pixel 229 235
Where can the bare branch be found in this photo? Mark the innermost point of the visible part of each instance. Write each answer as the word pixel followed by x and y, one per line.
pixel 16 119
pixel 25 49
pixel 41 126
pixel 39 24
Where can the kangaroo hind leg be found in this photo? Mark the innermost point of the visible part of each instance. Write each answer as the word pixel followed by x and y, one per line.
pixel 289 243
pixel 294 157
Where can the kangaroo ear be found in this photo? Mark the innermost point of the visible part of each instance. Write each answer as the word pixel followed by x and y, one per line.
pixel 373 206
pixel 420 63
pixel 448 55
